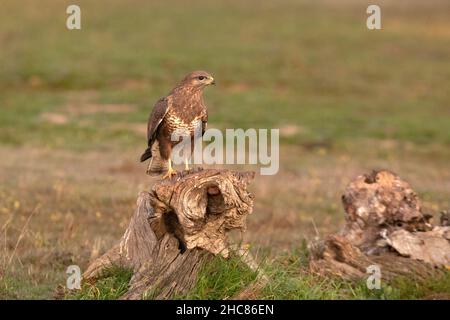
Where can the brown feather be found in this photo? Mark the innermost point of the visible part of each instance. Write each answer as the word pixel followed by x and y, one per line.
pixel 183 108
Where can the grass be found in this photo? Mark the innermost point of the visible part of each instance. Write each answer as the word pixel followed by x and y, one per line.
pixel 222 279
pixel 331 82
pixel 113 284
pixel 405 288
pixel 16 287
pixel 289 280
pixel 74 105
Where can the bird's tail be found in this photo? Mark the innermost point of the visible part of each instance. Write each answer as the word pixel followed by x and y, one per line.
pixel 147 154
pixel 157 164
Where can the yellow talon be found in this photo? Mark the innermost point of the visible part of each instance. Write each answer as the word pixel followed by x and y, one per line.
pixel 170 172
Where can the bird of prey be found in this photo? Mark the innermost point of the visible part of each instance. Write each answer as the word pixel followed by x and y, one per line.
pixel 182 109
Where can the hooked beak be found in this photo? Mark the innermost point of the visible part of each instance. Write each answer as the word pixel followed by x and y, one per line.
pixel 211 80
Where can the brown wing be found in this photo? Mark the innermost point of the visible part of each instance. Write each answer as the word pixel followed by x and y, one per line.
pixel 156 117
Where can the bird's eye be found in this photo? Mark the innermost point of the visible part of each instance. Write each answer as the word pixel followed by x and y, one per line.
pixel 201 78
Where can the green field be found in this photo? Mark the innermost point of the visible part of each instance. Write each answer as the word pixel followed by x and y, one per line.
pixel 74 106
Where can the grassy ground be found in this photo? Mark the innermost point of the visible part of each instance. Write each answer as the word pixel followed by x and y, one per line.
pixel 73 107
pixel 289 279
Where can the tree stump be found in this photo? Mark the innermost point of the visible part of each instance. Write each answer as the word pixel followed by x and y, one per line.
pixel 177 227
pixel 385 226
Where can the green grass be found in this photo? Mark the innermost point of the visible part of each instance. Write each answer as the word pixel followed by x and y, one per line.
pixel 289 280
pixel 284 60
pixel 112 285
pixel 405 288
pixel 17 286
pixel 221 279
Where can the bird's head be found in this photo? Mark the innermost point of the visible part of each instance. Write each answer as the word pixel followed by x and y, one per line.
pixel 198 79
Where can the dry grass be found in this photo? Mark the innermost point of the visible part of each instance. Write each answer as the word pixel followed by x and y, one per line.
pixel 75 211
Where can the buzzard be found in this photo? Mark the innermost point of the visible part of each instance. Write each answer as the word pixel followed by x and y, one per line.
pixel 182 109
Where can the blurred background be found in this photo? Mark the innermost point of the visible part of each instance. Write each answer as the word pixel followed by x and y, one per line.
pixel 74 106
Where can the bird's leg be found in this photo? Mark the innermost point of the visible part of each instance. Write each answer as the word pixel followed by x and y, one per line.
pixel 170 172
pixel 186 164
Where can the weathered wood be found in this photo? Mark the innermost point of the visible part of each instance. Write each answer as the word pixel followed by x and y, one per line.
pixel 385 226
pixel 136 245
pixel 207 204
pixel 178 226
pixel 432 246
pixel 338 257
pixel 168 273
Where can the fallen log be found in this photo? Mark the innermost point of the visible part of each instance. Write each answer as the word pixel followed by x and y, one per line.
pixel 177 227
pixel 385 226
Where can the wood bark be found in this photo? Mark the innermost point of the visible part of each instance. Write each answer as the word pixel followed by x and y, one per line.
pixel 177 227
pixel 385 226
